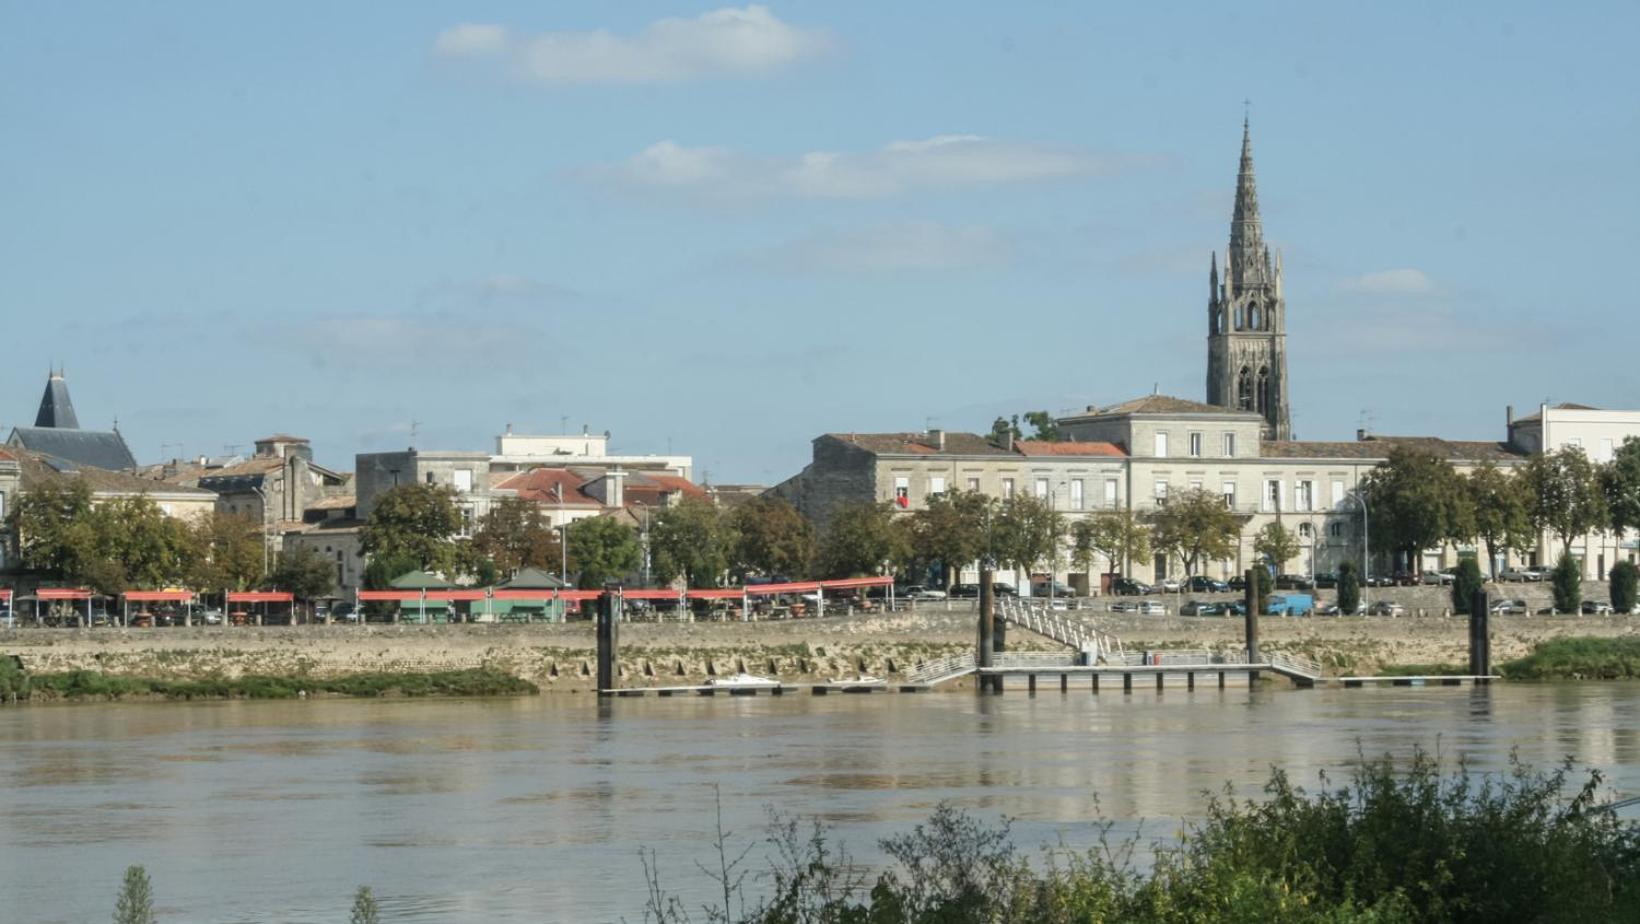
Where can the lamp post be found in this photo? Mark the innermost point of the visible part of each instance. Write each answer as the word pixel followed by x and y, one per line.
pixel 1366 556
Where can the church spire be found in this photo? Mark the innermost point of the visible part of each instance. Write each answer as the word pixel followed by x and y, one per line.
pixel 1246 231
pixel 56 410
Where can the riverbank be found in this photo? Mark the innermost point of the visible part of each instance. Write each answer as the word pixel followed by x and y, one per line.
pixel 560 658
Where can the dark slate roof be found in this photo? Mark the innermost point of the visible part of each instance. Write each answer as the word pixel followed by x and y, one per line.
pixel 56 410
pixel 1157 404
pixel 97 448
pixel 1378 447
pixel 38 468
pixel 919 444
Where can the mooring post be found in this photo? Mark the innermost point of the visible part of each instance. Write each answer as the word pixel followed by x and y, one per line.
pixel 987 628
pixel 1251 595
pixel 609 612
pixel 1480 640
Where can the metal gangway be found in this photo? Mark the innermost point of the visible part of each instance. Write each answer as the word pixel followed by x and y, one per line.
pixel 1044 621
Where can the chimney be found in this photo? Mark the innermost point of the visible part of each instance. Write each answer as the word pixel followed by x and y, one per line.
pixel 1008 440
pixel 1509 416
pixel 936 438
pixel 1360 435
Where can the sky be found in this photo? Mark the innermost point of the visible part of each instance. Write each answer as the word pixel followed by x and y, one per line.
pixel 723 231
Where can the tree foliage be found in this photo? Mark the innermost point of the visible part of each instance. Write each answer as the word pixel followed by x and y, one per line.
pixel 771 537
pixel 304 572
pixel 119 544
pixel 952 532
pixel 1276 543
pixel 1025 532
pixel 135 904
pixel 1349 588
pixel 364 907
pixel 1196 527
pixel 416 522
pixel 1043 426
pixel 1624 578
pixel 515 535
pixel 1566 583
pixel 232 552
pixel 1467 580
pixel 1119 535
pixel 1564 495
pixel 602 549
pixel 384 567
pixel 1620 483
pixel 693 540
pixel 861 538
pixel 1418 501
pixel 1502 518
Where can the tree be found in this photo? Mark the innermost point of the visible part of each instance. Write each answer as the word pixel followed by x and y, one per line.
pixel 1276 543
pixel 860 539
pixel 1499 502
pixel 52 522
pixel 514 535
pixel 1196 527
pixel 1349 589
pixel 304 572
pixel 692 540
pixel 952 531
pixel 1418 501
pixel 136 902
pixel 1043 426
pixel 1466 582
pixel 1620 483
pixel 1119 535
pixel 1003 430
pixel 364 907
pixel 384 567
pixel 121 543
pixel 1567 584
pixel 1026 532
pixel 232 552
pixel 602 549
pixel 415 521
pixel 771 537
pixel 1624 577
pixel 1564 496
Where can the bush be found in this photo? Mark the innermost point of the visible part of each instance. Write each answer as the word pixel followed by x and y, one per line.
pixel 1349 589
pixel 1568 584
pixel 1468 579
pixel 136 902
pixel 1624 577
pixel 14 682
pixel 1578 658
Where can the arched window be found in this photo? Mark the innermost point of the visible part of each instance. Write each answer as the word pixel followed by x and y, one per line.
pixel 1240 324
pixel 1244 389
pixel 1264 402
pixel 1253 317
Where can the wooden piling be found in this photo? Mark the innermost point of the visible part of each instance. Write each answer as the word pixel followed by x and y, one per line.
pixel 987 630
pixel 609 611
pixel 1480 637
pixel 1251 595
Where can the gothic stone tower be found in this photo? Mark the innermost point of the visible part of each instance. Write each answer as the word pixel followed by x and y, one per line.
pixel 1247 316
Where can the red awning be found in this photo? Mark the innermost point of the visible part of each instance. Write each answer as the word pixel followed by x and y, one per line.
pixel 261 596
pixel 62 593
pixel 5 594
pixel 722 593
pixel 796 587
pixel 879 581
pixel 158 596
pixel 644 593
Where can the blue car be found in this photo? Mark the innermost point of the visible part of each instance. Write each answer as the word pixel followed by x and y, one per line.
pixel 1290 605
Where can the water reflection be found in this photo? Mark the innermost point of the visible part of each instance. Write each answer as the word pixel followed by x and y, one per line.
pixel 524 810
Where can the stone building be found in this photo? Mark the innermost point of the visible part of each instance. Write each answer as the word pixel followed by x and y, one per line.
pixel 56 433
pixel 467 474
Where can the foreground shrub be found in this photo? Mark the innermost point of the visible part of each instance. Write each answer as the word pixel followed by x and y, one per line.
pixel 1624 578
pixel 1567 584
pixel 1578 658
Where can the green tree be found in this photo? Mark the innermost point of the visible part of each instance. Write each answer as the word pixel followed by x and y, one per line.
pixel 1418 501
pixel 1466 581
pixel 304 572
pixel 1043 426
pixel 384 567
pixel 952 531
pixel 1624 577
pixel 1567 584
pixel 771 537
pixel 861 538
pixel 514 535
pixel 232 552
pixel 364 907
pixel 1119 535
pixel 1499 502
pixel 1026 532
pixel 1276 543
pixel 135 904
pixel 1564 496
pixel 602 549
pixel 693 540
pixel 1003 430
pixel 52 523
pixel 1620 483
pixel 418 522
pixel 138 546
pixel 1196 527
pixel 1349 589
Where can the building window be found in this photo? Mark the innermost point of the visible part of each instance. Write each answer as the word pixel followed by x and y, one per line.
pixel 936 484
pixel 1229 445
pixel 1007 488
pixel 973 484
pixel 1272 495
pixel 466 522
pixel 1076 494
pixel 1304 530
pixel 1195 485
pixel 1337 530
pixel 1338 493
pixel 1161 493
pixel 1042 489
pixel 902 490
pixel 1195 445
pixel 464 480
pixel 1161 445
pixel 2 505
pixel 1111 493
pixel 1228 489
pixel 429 477
pixel 1306 495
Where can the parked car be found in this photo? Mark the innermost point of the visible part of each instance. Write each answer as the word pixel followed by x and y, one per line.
pixel 1437 578
pixel 1211 608
pixel 1509 608
pixel 1290 605
pixel 1059 590
pixel 1521 575
pixel 1326 579
pixel 927 593
pixel 1169 585
pixel 1333 609
pixel 1404 579
pixel 1202 584
pixel 1387 608
pixel 964 591
pixel 1124 606
pixel 1152 608
pixel 1003 590
pixel 1128 587
pixel 1377 580
pixel 1293 582
pixel 1596 608
pixel 1237 583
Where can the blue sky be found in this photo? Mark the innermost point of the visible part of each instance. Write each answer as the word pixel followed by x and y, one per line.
pixel 726 230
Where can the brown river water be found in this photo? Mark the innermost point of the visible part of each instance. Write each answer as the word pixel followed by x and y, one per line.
pixel 533 809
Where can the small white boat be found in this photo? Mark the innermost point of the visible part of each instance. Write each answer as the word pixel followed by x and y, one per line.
pixel 743 682
pixel 864 680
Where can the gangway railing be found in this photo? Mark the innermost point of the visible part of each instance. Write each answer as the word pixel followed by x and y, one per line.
pixel 940 670
pixel 1042 620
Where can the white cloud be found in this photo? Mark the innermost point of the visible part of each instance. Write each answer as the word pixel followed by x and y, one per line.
pixel 731 40
pixel 918 246
pixel 942 162
pixel 1389 282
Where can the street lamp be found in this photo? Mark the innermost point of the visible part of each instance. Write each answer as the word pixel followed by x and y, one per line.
pixel 1366 558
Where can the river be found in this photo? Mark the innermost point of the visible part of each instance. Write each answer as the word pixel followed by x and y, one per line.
pixel 533 809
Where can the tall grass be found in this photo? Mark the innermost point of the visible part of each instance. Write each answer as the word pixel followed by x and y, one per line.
pixel 96 685
pixel 1578 658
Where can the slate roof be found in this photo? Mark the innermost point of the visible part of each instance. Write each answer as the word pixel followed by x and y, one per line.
pixel 1158 404
pixel 1378 447
pixel 1068 448
pixel 104 449
pixel 917 444
pixel 56 410
pixel 38 468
